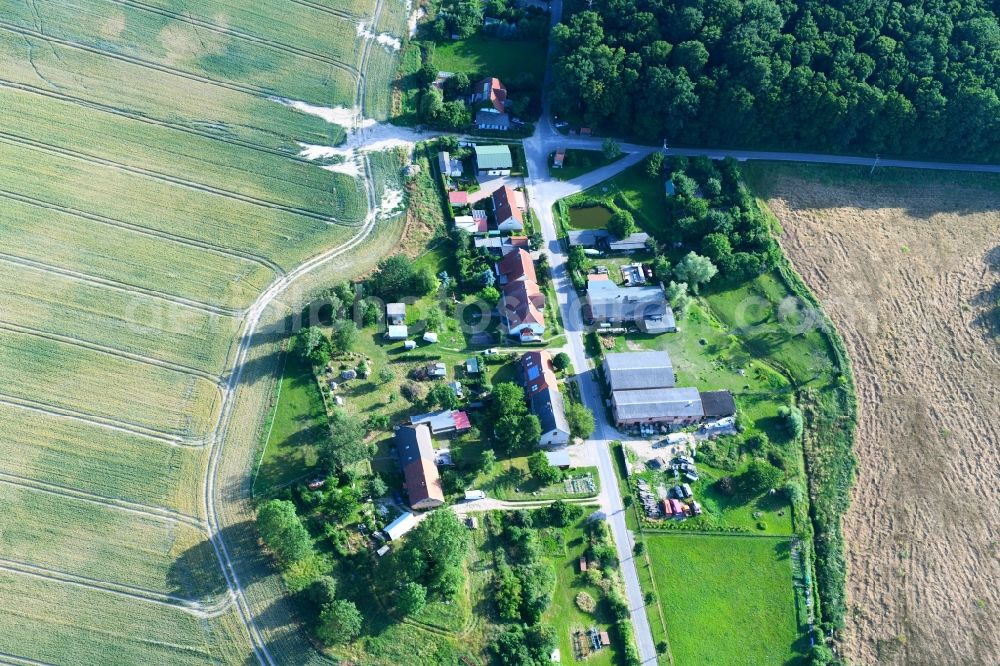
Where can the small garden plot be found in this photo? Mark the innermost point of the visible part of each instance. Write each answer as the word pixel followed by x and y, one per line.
pixel 481 56
pixel 726 600
pixel 581 485
pixel 578 162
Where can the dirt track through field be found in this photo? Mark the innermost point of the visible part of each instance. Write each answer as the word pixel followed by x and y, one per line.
pixel 908 273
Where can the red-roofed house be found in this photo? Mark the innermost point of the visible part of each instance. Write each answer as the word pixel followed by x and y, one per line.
pixel 542 390
pixel 492 92
pixel 508 216
pixel 420 474
pixel 458 198
pixel 521 307
pixel 515 266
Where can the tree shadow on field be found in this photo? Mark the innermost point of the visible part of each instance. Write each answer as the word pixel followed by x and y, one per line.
pixel 989 298
pixel 783 549
pixel 196 573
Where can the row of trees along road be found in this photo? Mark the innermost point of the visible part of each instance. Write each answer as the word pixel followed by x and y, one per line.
pixel 914 77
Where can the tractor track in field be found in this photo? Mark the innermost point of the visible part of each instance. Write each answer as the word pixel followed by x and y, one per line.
pixel 149 120
pixel 112 351
pixel 243 607
pixel 171 439
pixel 196 608
pixel 120 286
pixel 138 508
pixel 32 144
pixel 15 660
pixel 347 16
pixel 239 34
pixel 181 240
pixel 254 91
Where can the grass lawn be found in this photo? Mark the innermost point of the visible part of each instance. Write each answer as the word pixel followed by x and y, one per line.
pixel 644 195
pixel 299 421
pixel 579 162
pixel 711 620
pixel 487 56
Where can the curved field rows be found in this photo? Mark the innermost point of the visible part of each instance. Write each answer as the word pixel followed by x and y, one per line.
pixel 33 229
pixel 82 380
pixel 70 453
pixel 907 267
pixel 132 323
pixel 84 538
pixel 57 623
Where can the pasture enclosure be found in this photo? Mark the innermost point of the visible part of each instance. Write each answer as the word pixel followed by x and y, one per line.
pixel 727 599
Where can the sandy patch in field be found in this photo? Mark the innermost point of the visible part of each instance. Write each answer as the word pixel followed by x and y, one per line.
pixel 383 38
pixel 905 272
pixel 114 25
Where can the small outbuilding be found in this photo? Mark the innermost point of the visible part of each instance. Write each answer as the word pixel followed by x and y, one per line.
pixel 410 345
pixel 430 336
pixel 403 524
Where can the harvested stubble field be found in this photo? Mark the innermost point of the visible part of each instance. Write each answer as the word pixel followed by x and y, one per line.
pixel 906 264
pixel 153 188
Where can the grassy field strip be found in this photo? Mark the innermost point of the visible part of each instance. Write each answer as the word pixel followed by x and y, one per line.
pixel 50 372
pixel 138 117
pixel 222 112
pixel 107 543
pixel 174 180
pixel 73 184
pixel 157 150
pixel 227 30
pixel 102 422
pixel 144 510
pixel 51 622
pixel 110 351
pixel 65 452
pixel 182 339
pixel 110 284
pixel 41 232
pixel 194 51
pixel 334 11
pixel 131 592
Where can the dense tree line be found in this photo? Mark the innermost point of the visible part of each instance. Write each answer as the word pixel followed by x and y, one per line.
pixel 915 77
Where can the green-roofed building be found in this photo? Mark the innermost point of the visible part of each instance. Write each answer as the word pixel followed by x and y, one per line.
pixel 493 160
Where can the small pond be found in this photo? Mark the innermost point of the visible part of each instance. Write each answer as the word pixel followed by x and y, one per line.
pixel 591 217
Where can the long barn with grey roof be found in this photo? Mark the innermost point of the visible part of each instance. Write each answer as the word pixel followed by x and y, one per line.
pixel 638 370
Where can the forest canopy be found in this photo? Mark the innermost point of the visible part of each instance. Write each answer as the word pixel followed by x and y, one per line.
pixel 912 77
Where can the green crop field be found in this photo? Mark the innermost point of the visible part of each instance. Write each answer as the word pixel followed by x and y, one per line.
pixel 154 187
pixel 726 600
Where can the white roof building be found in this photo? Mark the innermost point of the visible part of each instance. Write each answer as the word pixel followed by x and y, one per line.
pixel 397 528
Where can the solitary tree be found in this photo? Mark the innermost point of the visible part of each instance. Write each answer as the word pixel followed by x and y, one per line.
pixel 340 622
pixel 654 165
pixel 580 419
pixel 346 444
pixel 541 470
pixel 561 361
pixel 760 476
pixel 695 270
pixel 282 531
pixel 611 148
pixel 412 598
pixel 622 224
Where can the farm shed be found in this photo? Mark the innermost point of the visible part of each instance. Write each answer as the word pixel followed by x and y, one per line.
pixel 403 524
pixel 638 370
pixel 494 160
pixel 558 458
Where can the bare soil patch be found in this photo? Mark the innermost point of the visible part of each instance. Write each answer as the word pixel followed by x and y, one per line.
pixel 907 266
